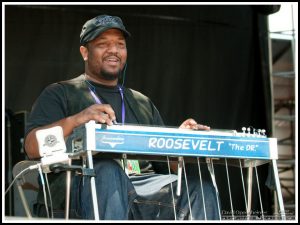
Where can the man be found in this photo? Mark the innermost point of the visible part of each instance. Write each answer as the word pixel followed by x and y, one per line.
pixel 97 95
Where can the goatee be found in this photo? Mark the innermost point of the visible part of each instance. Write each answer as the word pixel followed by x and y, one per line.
pixel 109 76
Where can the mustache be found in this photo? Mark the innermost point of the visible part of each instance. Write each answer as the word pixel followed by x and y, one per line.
pixel 114 55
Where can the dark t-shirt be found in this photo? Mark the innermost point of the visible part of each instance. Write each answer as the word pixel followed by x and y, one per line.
pixel 112 96
pixel 57 102
pixel 52 105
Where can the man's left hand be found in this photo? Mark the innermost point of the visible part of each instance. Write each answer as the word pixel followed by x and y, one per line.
pixel 193 125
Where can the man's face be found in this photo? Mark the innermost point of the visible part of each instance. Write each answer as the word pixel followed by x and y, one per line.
pixel 107 54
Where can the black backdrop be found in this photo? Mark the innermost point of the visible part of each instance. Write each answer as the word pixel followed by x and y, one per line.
pixel 208 62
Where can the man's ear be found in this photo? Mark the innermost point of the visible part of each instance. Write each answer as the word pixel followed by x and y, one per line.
pixel 84 52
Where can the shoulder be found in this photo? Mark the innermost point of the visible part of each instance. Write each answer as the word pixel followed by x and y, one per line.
pixel 63 87
pixel 59 85
pixel 60 89
pixel 73 82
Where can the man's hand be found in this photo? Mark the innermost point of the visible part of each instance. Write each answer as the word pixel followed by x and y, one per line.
pixel 102 113
pixel 193 125
pixel 188 124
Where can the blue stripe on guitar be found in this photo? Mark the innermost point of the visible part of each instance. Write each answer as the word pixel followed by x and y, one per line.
pixel 181 144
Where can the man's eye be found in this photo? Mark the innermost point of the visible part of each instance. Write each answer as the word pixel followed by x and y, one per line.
pixel 101 45
pixel 121 45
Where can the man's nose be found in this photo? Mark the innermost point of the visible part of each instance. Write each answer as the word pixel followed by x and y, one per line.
pixel 113 48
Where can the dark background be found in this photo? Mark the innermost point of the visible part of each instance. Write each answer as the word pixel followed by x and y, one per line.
pixel 208 62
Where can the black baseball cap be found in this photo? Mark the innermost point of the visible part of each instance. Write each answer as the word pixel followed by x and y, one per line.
pixel 94 27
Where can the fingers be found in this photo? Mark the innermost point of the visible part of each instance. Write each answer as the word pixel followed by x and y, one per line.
pixel 193 125
pixel 104 118
pixel 188 123
pixel 201 127
pixel 102 113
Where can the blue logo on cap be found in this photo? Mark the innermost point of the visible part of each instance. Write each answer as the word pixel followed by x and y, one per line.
pixel 105 20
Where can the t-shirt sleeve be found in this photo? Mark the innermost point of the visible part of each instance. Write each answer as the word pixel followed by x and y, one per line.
pixel 48 108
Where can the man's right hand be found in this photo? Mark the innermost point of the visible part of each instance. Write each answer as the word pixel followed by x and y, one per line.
pixel 102 113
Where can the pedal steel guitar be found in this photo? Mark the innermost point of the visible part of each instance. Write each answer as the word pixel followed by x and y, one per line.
pixel 244 149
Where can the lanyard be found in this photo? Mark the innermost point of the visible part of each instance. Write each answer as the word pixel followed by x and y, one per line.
pixel 98 101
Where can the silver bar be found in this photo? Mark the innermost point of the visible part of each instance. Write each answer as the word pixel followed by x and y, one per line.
pixel 187 190
pixel 261 206
pixel 249 190
pixel 68 188
pixel 201 185
pixel 210 167
pixel 228 182
pixel 244 190
pixel 93 185
pixel 179 173
pixel 174 209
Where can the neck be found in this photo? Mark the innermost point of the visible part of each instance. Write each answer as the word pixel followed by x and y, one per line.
pixel 98 80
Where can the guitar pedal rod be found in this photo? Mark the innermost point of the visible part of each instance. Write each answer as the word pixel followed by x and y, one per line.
pixel 179 173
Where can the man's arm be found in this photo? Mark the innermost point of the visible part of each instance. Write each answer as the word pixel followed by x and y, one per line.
pixel 100 113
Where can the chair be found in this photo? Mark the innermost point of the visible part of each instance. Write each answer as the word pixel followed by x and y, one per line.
pixel 26 181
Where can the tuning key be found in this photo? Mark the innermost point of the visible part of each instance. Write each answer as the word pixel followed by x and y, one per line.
pixel 259 132
pixel 249 131
pixel 244 130
pixel 234 133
